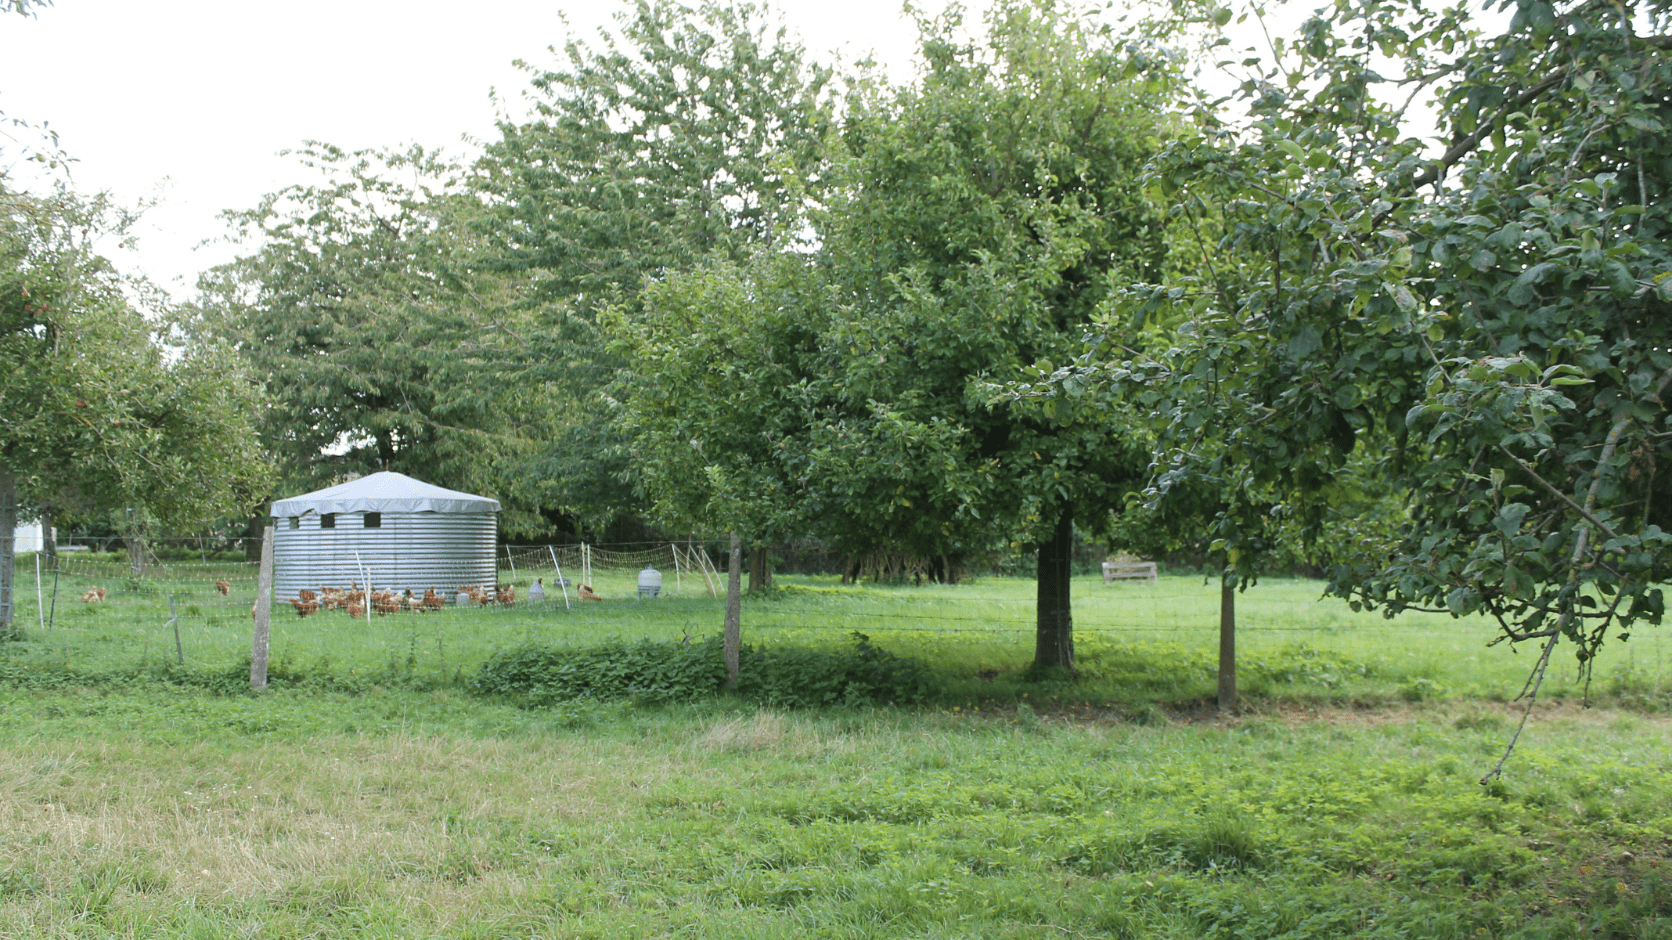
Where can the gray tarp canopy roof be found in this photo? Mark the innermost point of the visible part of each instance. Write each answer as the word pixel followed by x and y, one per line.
pixel 383 492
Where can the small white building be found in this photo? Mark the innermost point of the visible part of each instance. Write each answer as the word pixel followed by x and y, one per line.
pixel 387 529
pixel 29 538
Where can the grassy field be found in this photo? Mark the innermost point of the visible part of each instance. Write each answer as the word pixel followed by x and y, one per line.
pixel 1135 642
pixel 370 795
pixel 145 813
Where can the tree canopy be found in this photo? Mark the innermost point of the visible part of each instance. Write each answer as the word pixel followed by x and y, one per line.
pixel 1493 316
pixel 382 344
pixel 93 408
pixel 974 220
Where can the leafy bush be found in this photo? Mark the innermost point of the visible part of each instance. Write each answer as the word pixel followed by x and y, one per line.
pixel 648 671
pixel 652 672
pixel 860 674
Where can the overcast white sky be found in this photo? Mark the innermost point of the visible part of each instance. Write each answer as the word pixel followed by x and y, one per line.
pixel 190 101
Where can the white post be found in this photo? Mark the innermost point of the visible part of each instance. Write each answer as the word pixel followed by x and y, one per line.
pixel 263 611
pixel 40 599
pixel 708 567
pixel 559 569
pixel 367 575
pixel 678 585
pixel 512 563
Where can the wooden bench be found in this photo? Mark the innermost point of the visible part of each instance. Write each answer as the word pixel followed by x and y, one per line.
pixel 1129 571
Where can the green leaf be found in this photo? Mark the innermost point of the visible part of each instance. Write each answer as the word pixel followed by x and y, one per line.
pixel 1522 292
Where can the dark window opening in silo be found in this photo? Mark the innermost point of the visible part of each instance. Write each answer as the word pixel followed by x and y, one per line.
pixel 374 520
pixel 295 522
pixel 328 521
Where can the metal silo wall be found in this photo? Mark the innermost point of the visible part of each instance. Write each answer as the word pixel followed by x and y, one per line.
pixel 419 550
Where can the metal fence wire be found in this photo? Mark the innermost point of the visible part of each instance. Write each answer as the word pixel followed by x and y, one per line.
pixel 101 612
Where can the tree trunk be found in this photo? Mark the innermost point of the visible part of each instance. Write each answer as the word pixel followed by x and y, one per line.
pixel 1054 636
pixel 136 554
pixel 760 569
pixel 733 639
pixel 1227 644
pixel 8 552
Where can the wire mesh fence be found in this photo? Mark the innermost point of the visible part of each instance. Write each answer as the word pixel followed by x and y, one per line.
pixel 98 612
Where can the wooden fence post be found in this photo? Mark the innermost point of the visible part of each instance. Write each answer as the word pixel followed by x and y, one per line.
pixel 732 643
pixel 1227 644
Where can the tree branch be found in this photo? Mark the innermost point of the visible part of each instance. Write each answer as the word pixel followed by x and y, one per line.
pixel 1463 147
pixel 1536 680
pixel 1593 520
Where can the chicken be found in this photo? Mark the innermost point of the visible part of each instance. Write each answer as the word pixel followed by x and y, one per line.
pixel 304 608
pixel 223 587
pixel 385 603
pixel 507 595
pixel 587 595
pixel 93 595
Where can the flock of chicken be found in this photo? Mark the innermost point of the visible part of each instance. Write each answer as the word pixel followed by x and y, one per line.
pixel 353 601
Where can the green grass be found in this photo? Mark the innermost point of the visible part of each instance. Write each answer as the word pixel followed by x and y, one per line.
pixel 367 795
pixel 1136 643
pixel 143 813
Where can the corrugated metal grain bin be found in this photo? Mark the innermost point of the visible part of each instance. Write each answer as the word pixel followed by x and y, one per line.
pixel 400 532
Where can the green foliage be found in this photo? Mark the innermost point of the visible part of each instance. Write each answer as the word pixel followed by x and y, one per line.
pixel 724 366
pixel 689 133
pixel 989 210
pixel 682 671
pixel 975 220
pixel 861 674
pixel 685 136
pixel 1490 324
pixel 97 410
pixel 647 671
pixel 381 343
